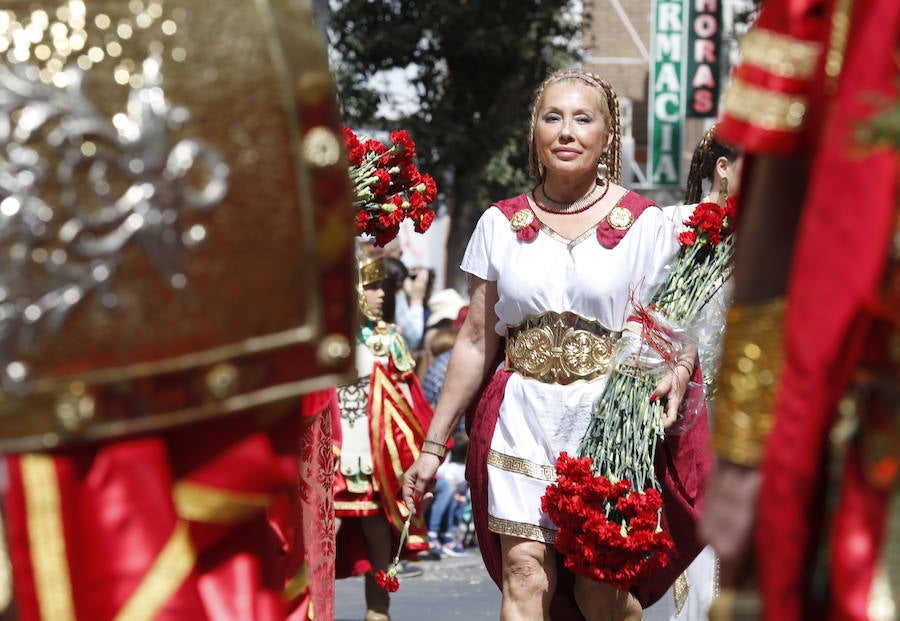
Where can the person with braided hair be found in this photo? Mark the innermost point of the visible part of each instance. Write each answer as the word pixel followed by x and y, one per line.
pixel 563 263
pixel 715 165
pixel 716 162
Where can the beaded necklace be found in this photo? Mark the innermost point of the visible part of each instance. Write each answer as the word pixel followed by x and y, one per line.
pixel 594 196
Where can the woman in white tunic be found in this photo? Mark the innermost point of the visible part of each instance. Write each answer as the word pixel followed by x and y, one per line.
pixel 554 271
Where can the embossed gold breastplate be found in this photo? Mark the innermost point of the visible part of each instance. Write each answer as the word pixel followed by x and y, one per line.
pixel 559 348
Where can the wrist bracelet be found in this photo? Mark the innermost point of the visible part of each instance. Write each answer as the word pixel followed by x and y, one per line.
pixel 435 448
pixel 689 367
pixel 752 355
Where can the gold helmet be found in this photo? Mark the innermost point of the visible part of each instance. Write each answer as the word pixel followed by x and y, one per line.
pixel 372 268
pixel 173 202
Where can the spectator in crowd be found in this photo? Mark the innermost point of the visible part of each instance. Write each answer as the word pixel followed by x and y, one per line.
pixel 411 305
pixel 451 495
pixel 443 309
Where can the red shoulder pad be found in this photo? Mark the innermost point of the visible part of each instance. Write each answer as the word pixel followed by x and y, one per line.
pixel 621 217
pixel 521 217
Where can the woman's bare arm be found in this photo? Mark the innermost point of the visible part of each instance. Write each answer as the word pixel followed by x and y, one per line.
pixel 473 354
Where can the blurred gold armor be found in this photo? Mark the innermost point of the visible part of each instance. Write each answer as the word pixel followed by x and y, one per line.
pixel 169 173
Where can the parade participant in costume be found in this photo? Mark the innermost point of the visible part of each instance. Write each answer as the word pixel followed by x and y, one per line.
pixel 716 165
pixel 805 491
pixel 565 260
pixel 170 323
pixel 383 417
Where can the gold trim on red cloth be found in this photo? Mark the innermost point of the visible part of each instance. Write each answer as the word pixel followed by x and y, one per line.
pixel 363 505
pixel 837 42
pixel 52 582
pixel 168 572
pixel 397 411
pixel 780 54
pixel 765 109
pixel 201 503
pixel 298 583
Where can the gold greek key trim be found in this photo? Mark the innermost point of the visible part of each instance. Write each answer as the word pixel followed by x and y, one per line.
pixel 47 542
pixel 351 505
pixel 559 348
pixel 201 503
pixel 752 355
pixel 521 466
pixel 170 569
pixel 765 109
pixel 521 530
pixel 779 54
pixel 298 582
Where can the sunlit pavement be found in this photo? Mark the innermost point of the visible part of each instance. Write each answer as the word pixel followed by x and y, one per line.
pixel 450 588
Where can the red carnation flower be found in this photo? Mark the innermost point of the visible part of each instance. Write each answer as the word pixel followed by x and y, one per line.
pixel 424 222
pixel 384 182
pixel 350 138
pixel 362 221
pixel 687 238
pixel 406 146
pixel 387 581
pixel 373 146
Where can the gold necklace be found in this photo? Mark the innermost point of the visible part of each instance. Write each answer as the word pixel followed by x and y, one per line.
pixel 594 196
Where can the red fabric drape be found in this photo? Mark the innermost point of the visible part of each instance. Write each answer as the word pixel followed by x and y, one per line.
pixel 118 511
pixel 839 256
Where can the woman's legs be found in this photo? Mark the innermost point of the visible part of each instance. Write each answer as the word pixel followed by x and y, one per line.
pixel 602 602
pixel 377 533
pixel 529 579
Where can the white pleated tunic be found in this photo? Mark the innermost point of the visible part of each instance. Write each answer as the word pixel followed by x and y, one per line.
pixel 540 420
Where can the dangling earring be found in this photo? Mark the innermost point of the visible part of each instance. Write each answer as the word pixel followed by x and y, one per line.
pixel 723 191
pixel 602 173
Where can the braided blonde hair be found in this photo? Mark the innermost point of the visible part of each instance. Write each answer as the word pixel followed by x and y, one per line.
pixel 609 109
pixel 703 164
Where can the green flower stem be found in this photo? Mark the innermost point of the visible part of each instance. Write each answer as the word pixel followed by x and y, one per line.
pixel 404 534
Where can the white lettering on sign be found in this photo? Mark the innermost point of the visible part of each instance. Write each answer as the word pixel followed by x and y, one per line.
pixel 667 90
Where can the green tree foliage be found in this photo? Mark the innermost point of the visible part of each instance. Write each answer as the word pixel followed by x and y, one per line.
pixel 475 67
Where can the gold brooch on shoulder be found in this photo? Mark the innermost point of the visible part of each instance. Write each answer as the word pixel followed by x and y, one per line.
pixel 620 218
pixel 521 219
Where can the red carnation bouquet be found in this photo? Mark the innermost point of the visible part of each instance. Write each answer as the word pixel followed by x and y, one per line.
pixel 606 502
pixel 387 186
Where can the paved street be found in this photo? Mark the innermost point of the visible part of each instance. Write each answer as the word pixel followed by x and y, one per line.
pixel 451 588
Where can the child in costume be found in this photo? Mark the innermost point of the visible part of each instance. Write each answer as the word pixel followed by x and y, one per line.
pixel 383 417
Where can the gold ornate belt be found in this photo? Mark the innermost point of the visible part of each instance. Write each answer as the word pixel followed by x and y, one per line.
pixel 559 348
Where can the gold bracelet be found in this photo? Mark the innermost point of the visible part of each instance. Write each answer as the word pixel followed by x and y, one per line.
pixel 687 366
pixel 752 355
pixel 434 448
